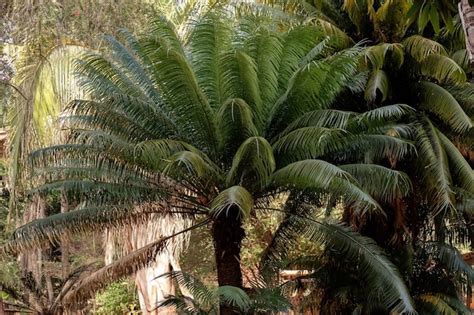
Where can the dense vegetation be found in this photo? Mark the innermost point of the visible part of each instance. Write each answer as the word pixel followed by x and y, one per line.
pixel 329 137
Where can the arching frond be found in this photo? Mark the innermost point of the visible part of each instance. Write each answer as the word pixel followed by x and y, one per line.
pixel 328 118
pixel 376 57
pixel 208 42
pixel 434 167
pixel 380 274
pixel 308 142
pixel 127 265
pixel 377 87
pixel 191 164
pixel 440 102
pixel 203 295
pixel 384 114
pixel 458 165
pixel 235 196
pixel 235 122
pixel 438 305
pixel 41 232
pixel 420 47
pixel 451 258
pixel 253 164
pixel 380 182
pixel 443 69
pixel 323 176
pixel 235 297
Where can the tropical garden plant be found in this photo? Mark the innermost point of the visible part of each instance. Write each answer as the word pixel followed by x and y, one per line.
pixel 214 127
pixel 426 67
pixel 218 124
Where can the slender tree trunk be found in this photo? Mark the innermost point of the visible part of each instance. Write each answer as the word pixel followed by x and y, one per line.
pixel 64 242
pixel 228 234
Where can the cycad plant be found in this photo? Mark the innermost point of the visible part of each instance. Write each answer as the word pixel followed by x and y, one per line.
pixel 215 127
pixel 426 67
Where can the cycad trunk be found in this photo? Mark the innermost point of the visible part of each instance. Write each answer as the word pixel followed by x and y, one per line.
pixel 228 234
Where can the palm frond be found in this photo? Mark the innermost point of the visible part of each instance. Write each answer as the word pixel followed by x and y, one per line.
pixel 457 163
pixel 202 295
pixel 235 196
pixel 208 42
pixel 380 182
pixel 451 258
pixel 308 143
pixel 51 229
pixel 378 56
pixel 328 118
pixel 253 164
pixel 235 122
pixel 420 47
pixel 434 167
pixel 323 176
pixel 443 69
pixel 440 102
pixel 436 304
pixel 377 87
pixel 235 297
pixel 127 265
pixel 381 275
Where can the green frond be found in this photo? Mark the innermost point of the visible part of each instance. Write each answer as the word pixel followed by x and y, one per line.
pixel 380 273
pixel 433 167
pixel 384 114
pixel 443 69
pixel 51 229
pixel 420 47
pixel 324 177
pixel 458 165
pixel 253 164
pixel 163 30
pixel 235 123
pixel 182 95
pixel 270 300
pixel 249 83
pixel 451 258
pixel 380 182
pixel 235 196
pixel 266 48
pixel 376 57
pixel 190 164
pixel 202 295
pixel 440 102
pixel 436 304
pixel 376 147
pixel 315 86
pixel 461 57
pixel 327 118
pixel 235 297
pixel 377 88
pixel 303 174
pixel 338 37
pixel 308 142
pixel 153 153
pixel 208 42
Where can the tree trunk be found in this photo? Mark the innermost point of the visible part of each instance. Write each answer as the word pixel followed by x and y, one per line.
pixel 64 241
pixel 152 289
pixel 228 234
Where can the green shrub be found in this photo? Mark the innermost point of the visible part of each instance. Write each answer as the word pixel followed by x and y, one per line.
pixel 118 298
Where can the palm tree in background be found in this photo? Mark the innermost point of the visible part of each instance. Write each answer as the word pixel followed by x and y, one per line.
pixel 214 128
pixel 427 67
